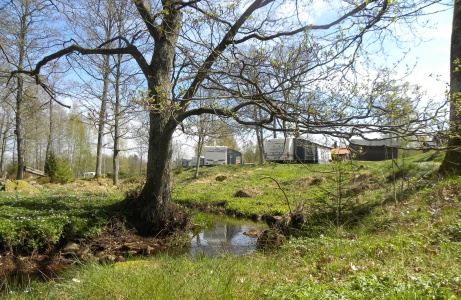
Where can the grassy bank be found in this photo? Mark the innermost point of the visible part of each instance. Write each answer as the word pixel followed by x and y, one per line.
pixel 37 217
pixel 384 230
pixel 275 189
pixel 381 267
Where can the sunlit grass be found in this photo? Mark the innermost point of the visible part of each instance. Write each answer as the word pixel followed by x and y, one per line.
pixel 40 220
pixel 370 267
pixel 280 187
pixel 404 248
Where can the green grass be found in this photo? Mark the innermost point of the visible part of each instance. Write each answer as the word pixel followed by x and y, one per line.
pixel 302 185
pixel 269 199
pixel 397 240
pixel 383 267
pixel 37 221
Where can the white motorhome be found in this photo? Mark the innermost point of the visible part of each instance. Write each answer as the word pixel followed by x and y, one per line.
pixel 215 155
pixel 193 162
pixel 296 150
pixel 279 149
pixel 88 174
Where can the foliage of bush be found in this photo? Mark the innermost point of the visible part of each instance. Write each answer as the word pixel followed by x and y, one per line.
pixel 17 185
pixel 12 170
pixel 37 222
pixel 58 170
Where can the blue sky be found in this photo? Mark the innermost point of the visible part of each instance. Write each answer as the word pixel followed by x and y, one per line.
pixel 433 55
pixel 428 46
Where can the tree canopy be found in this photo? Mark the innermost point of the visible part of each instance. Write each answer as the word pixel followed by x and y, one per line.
pixel 270 55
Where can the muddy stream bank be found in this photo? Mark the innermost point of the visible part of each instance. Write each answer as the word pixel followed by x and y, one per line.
pixel 227 236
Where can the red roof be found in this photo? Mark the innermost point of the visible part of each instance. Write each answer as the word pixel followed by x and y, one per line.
pixel 340 151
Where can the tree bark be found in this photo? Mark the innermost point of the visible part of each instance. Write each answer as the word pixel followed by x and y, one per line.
pixel 18 130
pixel 102 115
pixel 50 136
pixel 259 136
pixel 5 128
pixel 153 208
pixel 200 142
pixel 451 164
pixel 117 121
pixel 20 94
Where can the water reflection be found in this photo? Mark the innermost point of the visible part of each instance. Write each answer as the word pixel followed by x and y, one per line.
pixel 226 237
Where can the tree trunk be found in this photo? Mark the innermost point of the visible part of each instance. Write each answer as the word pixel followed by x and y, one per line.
pixel 18 130
pixel 2 153
pixel 152 207
pixel 50 135
pixel 3 135
pixel 201 139
pixel 451 165
pixel 102 116
pixel 20 94
pixel 152 210
pixel 259 136
pixel 116 121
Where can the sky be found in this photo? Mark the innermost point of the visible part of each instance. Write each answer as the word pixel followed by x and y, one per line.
pixel 428 47
pixel 428 50
pixel 433 56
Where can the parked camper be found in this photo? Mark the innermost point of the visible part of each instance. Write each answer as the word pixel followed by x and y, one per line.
pixel 88 174
pixel 221 155
pixel 186 162
pixel 193 162
pixel 279 149
pixel 296 150
pixel 215 155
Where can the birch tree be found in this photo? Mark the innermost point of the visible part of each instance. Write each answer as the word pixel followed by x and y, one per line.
pixel 23 35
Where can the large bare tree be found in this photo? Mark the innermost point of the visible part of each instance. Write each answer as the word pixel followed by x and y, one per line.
pixel 187 45
pixel 25 34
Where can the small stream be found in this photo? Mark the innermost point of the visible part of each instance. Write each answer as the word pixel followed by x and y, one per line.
pixel 226 237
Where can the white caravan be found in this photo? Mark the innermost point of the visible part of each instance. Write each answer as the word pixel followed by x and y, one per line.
pixel 215 155
pixel 279 149
pixel 296 150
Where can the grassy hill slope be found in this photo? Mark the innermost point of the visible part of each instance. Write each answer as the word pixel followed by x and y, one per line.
pixel 382 230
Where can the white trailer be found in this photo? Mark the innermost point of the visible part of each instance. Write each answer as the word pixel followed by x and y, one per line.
pixel 279 149
pixel 193 162
pixel 296 150
pixel 215 155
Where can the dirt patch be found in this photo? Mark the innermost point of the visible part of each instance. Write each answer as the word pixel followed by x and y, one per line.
pixel 308 181
pixel 247 192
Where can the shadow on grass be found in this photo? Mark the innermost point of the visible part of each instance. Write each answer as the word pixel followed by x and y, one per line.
pixel 350 216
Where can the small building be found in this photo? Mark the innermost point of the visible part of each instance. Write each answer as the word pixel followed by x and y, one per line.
pixel 89 174
pixel 340 154
pixel 373 150
pixel 296 150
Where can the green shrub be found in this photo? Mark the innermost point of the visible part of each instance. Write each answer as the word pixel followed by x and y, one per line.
pixel 58 170
pixel 17 185
pixel 44 180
